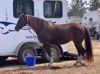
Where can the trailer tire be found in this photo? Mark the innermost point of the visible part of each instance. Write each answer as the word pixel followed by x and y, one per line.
pixel 55 52
pixel 95 35
pixel 99 37
pixel 3 58
pixel 29 48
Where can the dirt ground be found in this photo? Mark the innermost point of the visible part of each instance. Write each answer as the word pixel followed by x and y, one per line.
pixel 65 66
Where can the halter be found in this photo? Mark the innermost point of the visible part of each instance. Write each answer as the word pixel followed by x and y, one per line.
pixel 28 24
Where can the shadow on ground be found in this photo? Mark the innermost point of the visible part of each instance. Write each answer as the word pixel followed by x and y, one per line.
pixel 15 62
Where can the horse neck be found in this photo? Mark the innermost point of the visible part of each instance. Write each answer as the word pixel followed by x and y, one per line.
pixel 36 25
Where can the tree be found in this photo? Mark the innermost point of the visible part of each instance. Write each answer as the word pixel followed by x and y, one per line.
pixel 77 8
pixel 95 4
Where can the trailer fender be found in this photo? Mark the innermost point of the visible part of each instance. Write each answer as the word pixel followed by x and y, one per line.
pixel 36 45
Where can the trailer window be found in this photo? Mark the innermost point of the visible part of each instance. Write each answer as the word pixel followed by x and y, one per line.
pixel 52 9
pixel 90 19
pixel 85 18
pixel 20 6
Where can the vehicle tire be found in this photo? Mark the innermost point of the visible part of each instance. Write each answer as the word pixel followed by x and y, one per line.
pixel 95 36
pixel 3 58
pixel 29 48
pixel 99 37
pixel 55 52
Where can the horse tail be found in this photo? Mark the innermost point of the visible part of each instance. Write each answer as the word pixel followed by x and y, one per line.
pixel 88 45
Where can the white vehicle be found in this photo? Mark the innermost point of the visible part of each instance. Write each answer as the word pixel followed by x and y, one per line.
pixel 19 44
pixel 97 31
pixel 92 20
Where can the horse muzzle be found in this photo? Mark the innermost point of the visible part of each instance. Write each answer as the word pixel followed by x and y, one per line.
pixel 16 29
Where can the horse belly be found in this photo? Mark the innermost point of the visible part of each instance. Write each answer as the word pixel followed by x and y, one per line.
pixel 61 39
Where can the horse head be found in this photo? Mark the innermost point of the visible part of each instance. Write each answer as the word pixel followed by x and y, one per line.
pixel 21 22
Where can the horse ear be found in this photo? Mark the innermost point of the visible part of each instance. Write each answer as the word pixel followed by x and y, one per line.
pixel 23 14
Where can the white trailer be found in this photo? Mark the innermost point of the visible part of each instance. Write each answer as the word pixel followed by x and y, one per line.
pixel 18 44
pixel 92 20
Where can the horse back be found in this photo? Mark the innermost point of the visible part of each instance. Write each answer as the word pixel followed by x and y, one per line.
pixel 69 25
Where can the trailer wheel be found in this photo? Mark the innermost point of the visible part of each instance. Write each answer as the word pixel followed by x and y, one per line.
pixel 29 48
pixel 99 37
pixel 96 36
pixel 3 58
pixel 55 52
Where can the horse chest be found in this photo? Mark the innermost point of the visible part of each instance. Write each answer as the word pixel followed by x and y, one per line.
pixel 44 37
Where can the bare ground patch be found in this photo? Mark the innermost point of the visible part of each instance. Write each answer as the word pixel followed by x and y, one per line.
pixel 65 66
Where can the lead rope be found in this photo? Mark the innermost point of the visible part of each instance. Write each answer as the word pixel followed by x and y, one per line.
pixel 28 25
pixel 51 59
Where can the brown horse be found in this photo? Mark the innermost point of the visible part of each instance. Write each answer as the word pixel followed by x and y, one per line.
pixel 49 33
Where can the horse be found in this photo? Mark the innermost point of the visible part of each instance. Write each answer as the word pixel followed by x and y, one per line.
pixel 49 33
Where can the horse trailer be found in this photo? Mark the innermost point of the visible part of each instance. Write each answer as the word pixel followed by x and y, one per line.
pixel 18 44
pixel 91 20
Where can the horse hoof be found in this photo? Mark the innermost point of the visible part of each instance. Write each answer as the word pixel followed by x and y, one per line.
pixel 83 64
pixel 79 63
pixel 50 65
pixel 55 67
pixel 75 64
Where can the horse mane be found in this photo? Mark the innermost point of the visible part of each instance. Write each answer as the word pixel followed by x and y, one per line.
pixel 42 23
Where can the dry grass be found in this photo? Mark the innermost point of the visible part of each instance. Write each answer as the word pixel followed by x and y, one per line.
pixel 64 67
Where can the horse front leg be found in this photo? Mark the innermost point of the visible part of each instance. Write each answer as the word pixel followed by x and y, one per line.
pixel 48 50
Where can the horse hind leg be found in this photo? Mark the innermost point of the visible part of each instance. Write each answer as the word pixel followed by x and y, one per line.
pixel 81 52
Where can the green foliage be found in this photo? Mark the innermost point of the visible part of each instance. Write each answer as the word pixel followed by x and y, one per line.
pixel 76 11
pixel 94 5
